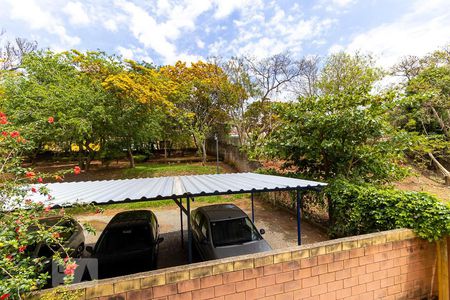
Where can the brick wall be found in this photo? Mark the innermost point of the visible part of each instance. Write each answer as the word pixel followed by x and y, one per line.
pixel 386 265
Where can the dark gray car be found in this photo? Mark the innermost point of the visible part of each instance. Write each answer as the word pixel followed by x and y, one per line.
pixel 224 230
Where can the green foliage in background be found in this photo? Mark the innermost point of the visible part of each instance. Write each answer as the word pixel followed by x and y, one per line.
pixel 364 208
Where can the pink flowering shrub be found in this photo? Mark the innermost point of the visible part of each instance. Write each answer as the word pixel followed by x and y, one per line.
pixel 20 229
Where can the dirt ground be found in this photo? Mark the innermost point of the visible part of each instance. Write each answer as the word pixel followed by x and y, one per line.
pixel 425 182
pixel 280 227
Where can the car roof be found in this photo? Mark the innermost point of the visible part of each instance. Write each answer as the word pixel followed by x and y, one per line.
pixel 220 212
pixel 132 215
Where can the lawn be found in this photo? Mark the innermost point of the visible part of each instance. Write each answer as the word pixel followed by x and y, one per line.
pixel 174 169
pixel 153 170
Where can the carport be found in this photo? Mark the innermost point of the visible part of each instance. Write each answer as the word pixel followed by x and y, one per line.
pixel 181 189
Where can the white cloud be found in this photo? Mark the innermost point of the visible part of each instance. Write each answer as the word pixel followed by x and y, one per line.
pixel 161 36
pixel 77 13
pixel 200 43
pixel 37 18
pixel 421 30
pixel 127 53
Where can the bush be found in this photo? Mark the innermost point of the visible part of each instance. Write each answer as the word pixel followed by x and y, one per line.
pixel 359 209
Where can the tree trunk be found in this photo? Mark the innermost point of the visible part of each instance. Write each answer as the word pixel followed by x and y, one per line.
pixel 440 121
pixel 204 151
pixel 130 157
pixel 165 149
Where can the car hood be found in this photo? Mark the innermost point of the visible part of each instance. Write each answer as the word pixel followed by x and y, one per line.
pixel 241 249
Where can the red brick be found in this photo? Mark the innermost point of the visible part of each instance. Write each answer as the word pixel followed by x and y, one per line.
pixel 311 281
pixel 343 255
pixel 385 247
pixel 365 278
pixel 292 285
pixel 328 296
pixel 382 256
pixel 233 276
pixel 325 259
pixel 335 285
pixel 394 271
pixel 367 259
pixel 135 295
pixel 343 293
pixel 253 273
pixel 265 281
pixel 284 277
pixel 386 282
pixel 165 290
pixel 350 282
pixel 224 289
pixel 373 286
pixel 308 262
pixel 400 261
pixel 379 274
pixel 356 271
pixel 371 250
pixel 273 269
pixel 394 289
pixel 183 296
pixel 335 266
pixel 373 267
pixel 285 296
pixel 320 269
pixel 357 252
pixel 255 294
pixel 291 265
pixel 302 294
pixel 302 273
pixel 202 294
pixel 246 285
pixel 112 297
pixel 351 263
pixel 318 289
pixel 380 293
pixel 367 296
pixel 343 274
pixel 211 281
pixel 327 277
pixel 359 289
pixel 188 285
pixel 401 278
pixel 274 289
pixel 237 296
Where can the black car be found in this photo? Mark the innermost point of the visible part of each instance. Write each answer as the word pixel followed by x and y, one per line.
pixel 129 244
pixel 224 230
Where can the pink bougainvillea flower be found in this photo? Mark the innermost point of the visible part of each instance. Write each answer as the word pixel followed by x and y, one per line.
pixel 49 197
pixel 22 248
pixel 51 120
pixel 70 269
pixel 76 170
pixel 40 180
pixel 30 174
pixel 9 257
pixel 5 134
pixel 47 208
pixel 14 134
pixel 33 190
pixel 3 120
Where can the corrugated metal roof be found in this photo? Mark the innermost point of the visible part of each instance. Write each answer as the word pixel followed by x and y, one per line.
pixel 109 191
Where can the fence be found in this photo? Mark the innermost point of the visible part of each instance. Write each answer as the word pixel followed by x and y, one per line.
pixel 386 265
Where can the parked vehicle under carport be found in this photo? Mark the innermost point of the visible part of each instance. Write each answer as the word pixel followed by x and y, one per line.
pixel 224 230
pixel 129 244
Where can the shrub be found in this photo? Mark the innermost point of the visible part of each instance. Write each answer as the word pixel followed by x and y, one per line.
pixel 358 209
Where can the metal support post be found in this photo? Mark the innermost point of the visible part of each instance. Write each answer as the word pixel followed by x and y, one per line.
pixel 217 152
pixel 253 208
pixel 188 206
pixel 181 223
pixel 299 205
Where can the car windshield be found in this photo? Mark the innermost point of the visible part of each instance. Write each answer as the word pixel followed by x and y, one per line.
pixel 234 231
pixel 125 239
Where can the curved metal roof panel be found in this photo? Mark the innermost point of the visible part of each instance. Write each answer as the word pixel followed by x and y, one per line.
pixel 112 191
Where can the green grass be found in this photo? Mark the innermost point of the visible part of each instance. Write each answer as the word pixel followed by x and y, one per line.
pixel 152 204
pixel 158 170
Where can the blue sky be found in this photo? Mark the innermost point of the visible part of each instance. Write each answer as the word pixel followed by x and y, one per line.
pixel 166 31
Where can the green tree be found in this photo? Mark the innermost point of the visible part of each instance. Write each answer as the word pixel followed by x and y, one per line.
pixel 345 131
